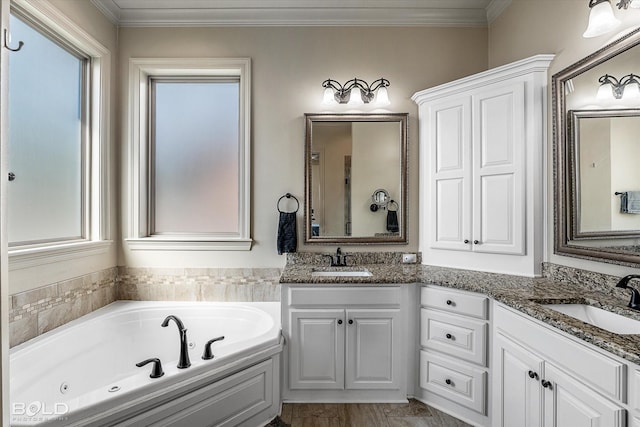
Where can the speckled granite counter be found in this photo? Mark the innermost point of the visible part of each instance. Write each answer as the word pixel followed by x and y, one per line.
pixel 563 285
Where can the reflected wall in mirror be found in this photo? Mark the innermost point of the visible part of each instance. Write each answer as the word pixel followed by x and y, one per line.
pixel 349 158
pixel 596 153
pixel 605 152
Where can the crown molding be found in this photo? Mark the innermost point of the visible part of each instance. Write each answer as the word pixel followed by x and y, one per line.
pixel 149 13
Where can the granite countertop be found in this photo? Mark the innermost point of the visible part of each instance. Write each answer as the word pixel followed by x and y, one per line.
pixel 527 294
pixel 521 293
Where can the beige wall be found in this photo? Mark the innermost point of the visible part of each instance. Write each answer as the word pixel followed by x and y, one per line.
pixel 288 67
pixel 529 27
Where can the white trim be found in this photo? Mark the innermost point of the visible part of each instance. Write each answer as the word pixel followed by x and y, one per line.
pixel 162 244
pixel 140 69
pixel 471 13
pixel 99 143
pixel 35 256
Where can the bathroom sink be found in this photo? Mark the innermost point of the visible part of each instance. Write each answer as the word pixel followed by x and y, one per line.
pixel 340 273
pixel 604 319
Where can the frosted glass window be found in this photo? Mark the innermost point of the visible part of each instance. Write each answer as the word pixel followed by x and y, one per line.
pixel 194 157
pixel 46 126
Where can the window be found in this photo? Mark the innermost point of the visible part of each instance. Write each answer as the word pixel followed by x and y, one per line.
pixel 58 145
pixel 47 139
pixel 190 143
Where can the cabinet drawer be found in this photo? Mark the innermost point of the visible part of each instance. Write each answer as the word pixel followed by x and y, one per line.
pixel 455 335
pixel 453 380
pixel 386 296
pixel 453 301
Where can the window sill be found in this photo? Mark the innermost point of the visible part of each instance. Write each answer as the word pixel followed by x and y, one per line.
pixel 182 244
pixel 20 258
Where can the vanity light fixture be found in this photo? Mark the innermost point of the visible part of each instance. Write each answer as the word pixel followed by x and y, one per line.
pixel 628 86
pixel 601 17
pixel 356 92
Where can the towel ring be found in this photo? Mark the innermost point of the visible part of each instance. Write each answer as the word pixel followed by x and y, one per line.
pixel 288 196
pixel 391 203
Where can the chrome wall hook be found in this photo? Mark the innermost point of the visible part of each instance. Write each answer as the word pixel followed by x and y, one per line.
pixel 6 42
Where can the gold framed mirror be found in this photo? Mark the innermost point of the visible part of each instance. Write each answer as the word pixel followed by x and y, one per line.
pixel 349 158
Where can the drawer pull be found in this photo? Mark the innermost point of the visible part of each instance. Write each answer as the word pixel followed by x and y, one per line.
pixel 533 375
pixel 448 381
pixel 339 321
pixel 476 242
pixel 466 240
pixel 449 336
pixel 449 302
pixel 547 384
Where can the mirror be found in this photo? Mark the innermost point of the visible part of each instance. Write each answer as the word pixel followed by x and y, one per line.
pixel 356 178
pixel 596 150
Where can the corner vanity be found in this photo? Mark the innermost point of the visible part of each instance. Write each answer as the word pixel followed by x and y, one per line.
pixel 489 349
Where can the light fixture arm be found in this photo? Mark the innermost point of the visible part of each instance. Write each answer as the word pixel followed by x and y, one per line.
pixel 623 4
pixel 593 3
pixel 617 86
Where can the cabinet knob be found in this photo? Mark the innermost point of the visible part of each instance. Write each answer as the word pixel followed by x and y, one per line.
pixel 449 302
pixel 449 336
pixel 476 242
pixel 547 384
pixel 448 381
pixel 351 321
pixel 466 240
pixel 533 375
pixel 339 321
pixel 12 176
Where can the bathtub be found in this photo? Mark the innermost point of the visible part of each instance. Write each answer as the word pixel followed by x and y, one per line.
pixel 85 373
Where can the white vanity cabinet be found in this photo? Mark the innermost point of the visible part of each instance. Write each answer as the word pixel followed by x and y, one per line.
pixel 454 338
pixel 542 378
pixel 344 343
pixel 482 140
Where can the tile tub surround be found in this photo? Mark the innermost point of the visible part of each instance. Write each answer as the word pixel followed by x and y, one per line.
pixel 37 311
pixel 199 284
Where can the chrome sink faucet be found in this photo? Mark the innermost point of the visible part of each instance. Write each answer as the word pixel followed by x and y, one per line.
pixel 635 295
pixel 183 362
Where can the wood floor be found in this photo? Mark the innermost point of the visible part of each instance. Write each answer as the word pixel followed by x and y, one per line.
pixel 412 414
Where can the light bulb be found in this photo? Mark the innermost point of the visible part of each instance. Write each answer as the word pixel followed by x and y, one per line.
pixel 605 91
pixel 601 20
pixel 631 91
pixel 328 98
pixel 355 97
pixel 382 97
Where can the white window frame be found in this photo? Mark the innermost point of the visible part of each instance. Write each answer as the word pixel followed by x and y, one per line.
pixel 97 240
pixel 137 174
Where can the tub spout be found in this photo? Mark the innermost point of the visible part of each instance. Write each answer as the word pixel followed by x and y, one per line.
pixel 184 348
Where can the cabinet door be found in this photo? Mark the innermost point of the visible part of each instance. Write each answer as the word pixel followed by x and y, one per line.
pixel 449 145
pixel 569 403
pixel 498 169
pixel 373 349
pixel 518 398
pixel 316 349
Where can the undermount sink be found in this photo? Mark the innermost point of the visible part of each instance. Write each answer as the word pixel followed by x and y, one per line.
pixel 604 319
pixel 341 273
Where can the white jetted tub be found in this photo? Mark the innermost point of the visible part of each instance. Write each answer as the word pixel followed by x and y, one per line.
pixel 85 373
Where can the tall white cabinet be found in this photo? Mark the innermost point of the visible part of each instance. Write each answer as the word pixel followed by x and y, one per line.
pixel 482 148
